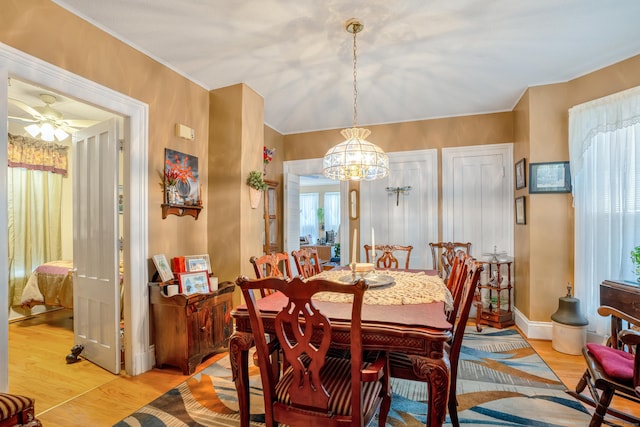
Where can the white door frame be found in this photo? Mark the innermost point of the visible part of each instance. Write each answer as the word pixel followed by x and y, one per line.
pixel 14 63
pixel 313 167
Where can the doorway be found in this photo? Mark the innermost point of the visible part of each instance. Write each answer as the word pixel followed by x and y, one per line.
pixel 19 65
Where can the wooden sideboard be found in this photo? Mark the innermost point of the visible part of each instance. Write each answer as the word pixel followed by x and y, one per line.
pixel 324 251
pixel 188 328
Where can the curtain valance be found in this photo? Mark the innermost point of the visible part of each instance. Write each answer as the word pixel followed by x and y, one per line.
pixel 616 111
pixel 35 154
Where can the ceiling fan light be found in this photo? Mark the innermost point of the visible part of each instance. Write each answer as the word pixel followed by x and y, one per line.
pixel 47 132
pixel 34 130
pixel 60 134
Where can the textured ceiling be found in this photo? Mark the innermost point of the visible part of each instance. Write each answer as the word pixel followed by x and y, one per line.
pixel 417 59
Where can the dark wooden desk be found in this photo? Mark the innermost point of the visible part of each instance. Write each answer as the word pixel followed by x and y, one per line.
pixel 625 296
pixel 419 330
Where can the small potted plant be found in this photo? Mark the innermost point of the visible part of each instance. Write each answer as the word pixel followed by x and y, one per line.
pixel 256 187
pixel 635 258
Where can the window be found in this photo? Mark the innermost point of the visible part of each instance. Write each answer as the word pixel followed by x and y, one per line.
pixel 604 144
pixel 332 211
pixel 309 216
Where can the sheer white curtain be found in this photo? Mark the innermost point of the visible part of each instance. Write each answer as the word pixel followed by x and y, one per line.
pixel 309 216
pixel 604 145
pixel 331 211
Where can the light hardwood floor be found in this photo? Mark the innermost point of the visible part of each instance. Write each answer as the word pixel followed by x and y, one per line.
pixel 82 394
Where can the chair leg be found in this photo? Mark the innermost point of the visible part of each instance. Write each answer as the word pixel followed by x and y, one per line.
pixel 453 412
pixel 601 409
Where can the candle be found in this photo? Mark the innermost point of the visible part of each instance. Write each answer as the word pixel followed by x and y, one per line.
pixel 373 244
pixel 355 245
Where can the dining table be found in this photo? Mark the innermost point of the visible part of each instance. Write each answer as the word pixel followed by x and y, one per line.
pixel 403 311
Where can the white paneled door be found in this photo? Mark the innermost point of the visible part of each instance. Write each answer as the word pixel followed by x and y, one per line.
pixel 96 289
pixel 408 217
pixel 477 197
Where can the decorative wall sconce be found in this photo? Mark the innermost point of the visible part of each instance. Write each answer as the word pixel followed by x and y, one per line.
pixel 398 190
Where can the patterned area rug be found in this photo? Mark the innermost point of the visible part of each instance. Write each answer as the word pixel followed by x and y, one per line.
pixel 501 382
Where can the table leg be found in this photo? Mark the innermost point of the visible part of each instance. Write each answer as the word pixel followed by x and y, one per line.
pixel 436 373
pixel 239 345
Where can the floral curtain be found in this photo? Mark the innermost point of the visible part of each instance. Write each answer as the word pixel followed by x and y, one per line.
pixel 34 196
pixel 35 154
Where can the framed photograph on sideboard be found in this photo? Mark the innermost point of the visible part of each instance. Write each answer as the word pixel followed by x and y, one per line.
pixel 198 262
pixel 196 282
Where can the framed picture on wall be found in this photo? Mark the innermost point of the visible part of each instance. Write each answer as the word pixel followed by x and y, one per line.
pixel 550 177
pixel 521 180
pixel 520 211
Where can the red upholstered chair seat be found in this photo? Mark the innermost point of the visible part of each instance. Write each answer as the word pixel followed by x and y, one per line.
pixel 17 410
pixel 335 376
pixel 617 364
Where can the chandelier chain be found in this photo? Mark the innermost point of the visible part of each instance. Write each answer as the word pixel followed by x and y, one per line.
pixel 355 78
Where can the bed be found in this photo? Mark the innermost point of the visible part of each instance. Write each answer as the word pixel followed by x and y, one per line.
pixel 50 284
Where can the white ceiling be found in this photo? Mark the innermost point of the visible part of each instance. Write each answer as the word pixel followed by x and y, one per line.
pixel 417 59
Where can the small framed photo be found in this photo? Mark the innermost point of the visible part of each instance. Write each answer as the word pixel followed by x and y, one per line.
pixel 520 211
pixel 198 263
pixel 521 179
pixel 195 282
pixel 164 270
pixel 550 177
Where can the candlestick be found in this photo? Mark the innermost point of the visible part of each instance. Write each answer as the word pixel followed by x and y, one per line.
pixel 373 244
pixel 354 246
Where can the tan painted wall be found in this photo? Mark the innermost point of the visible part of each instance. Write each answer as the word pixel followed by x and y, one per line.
pixel 521 234
pixel 45 30
pixel 236 140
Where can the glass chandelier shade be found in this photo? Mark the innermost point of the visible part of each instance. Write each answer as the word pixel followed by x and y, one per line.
pixel 355 158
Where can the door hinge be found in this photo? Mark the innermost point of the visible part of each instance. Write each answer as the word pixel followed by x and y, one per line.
pixel 121 243
pixel 121 143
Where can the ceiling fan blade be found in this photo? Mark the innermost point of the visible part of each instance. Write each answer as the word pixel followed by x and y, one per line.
pixel 23 119
pixel 26 108
pixel 68 129
pixel 79 123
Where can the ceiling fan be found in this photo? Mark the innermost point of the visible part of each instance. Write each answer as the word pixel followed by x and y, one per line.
pixel 46 121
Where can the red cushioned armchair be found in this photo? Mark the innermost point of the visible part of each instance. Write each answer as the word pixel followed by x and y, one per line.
pixel 612 369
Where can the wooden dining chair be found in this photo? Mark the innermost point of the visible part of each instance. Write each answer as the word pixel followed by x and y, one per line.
pixel 316 389
pixel 443 254
pixel 387 258
pixel 612 369
pixel 400 363
pixel 307 262
pixel 276 264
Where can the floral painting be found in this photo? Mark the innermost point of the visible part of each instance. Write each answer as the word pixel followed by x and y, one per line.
pixel 181 180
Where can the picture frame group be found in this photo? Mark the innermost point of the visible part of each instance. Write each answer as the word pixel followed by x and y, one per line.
pixel 193 274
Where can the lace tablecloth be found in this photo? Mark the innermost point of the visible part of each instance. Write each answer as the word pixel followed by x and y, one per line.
pixel 408 288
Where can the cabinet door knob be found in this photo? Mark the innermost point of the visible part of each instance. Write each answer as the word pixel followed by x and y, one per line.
pixel 202 328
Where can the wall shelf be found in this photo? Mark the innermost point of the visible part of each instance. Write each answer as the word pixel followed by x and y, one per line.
pixel 180 210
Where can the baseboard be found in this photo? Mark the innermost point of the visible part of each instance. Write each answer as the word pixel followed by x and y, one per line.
pixel 532 329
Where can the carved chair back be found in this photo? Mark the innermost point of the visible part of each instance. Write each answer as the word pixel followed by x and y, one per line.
pixel 315 388
pixel 387 259
pixel 307 262
pixel 443 254
pixel 276 264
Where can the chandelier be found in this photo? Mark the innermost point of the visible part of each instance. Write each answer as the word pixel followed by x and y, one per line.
pixel 355 158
